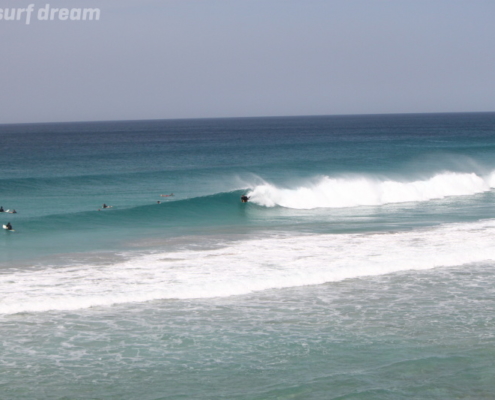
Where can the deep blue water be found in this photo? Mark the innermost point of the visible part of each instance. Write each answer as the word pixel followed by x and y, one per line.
pixel 362 266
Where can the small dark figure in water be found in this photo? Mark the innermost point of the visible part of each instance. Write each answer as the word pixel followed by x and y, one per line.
pixel 9 226
pixel 244 198
pixel 13 212
pixel 104 206
pixel 1 209
pixel 158 202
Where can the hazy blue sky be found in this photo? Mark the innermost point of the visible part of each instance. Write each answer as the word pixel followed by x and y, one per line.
pixel 224 58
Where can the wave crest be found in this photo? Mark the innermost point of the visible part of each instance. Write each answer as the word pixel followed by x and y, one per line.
pixel 338 192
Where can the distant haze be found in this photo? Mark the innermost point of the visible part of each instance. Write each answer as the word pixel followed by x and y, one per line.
pixel 154 59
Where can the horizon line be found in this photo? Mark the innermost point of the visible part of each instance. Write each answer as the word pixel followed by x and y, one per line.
pixel 246 117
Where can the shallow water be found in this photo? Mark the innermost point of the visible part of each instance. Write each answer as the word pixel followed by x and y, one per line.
pixel 422 334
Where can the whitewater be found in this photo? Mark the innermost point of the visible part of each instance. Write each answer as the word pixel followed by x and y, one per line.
pixel 334 192
pixel 244 267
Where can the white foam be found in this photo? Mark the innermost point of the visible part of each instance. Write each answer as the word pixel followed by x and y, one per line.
pixel 245 266
pixel 336 192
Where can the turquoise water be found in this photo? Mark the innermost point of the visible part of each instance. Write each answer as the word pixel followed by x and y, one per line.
pixel 361 268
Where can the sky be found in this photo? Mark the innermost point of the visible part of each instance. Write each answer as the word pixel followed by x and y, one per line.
pixel 161 59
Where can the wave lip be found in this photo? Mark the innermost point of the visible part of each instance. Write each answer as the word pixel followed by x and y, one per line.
pixel 339 192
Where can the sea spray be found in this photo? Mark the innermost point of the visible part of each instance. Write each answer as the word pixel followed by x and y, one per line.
pixel 351 191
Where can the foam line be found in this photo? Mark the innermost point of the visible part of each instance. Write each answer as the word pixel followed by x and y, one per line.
pixel 244 267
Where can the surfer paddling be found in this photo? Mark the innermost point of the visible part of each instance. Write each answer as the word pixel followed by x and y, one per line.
pixel 104 206
pixel 244 198
pixel 8 211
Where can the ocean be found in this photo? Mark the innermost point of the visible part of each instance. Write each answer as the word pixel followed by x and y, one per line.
pixel 362 266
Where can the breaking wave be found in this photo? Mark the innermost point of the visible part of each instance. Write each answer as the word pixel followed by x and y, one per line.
pixel 337 192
